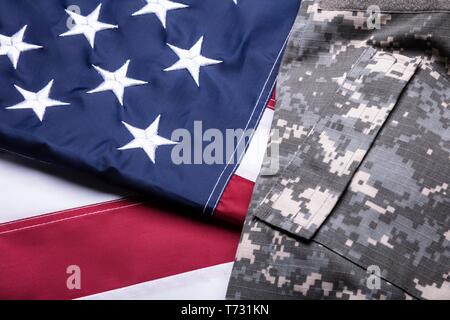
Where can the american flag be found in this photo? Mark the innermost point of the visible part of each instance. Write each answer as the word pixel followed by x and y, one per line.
pixel 99 87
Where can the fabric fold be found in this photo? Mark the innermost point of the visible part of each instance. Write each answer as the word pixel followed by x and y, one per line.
pixel 142 100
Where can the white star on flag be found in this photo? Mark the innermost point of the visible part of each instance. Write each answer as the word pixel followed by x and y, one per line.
pixel 191 60
pixel 235 1
pixel 146 139
pixel 116 81
pixel 37 101
pixel 87 25
pixel 14 45
pixel 160 8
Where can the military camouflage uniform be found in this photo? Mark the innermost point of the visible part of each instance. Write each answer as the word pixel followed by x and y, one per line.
pixel 363 117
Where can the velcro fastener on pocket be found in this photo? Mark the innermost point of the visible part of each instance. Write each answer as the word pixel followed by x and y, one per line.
pixel 386 5
pixel 307 191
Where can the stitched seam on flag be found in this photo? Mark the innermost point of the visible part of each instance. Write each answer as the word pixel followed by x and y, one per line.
pixel 62 211
pixel 239 161
pixel 246 127
pixel 234 152
pixel 71 218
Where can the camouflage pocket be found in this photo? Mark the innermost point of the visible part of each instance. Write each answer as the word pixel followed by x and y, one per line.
pixel 395 214
pixel 307 191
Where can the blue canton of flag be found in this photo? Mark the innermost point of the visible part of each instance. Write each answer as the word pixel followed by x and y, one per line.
pixel 102 85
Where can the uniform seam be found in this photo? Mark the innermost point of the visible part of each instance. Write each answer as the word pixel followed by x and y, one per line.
pixel 362 267
pixel 384 10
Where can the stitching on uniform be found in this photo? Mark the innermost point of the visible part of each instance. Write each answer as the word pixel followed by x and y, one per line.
pixel 386 11
pixel 373 249
pixel 389 8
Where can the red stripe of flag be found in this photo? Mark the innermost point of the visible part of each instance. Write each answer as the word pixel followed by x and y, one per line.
pixel 116 245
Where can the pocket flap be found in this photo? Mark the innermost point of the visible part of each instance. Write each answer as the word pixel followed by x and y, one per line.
pixel 306 192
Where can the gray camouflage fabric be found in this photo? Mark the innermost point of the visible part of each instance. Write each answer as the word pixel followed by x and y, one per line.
pixel 360 208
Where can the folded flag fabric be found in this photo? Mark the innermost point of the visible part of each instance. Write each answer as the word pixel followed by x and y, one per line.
pixel 125 246
pixel 116 248
pixel 137 90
